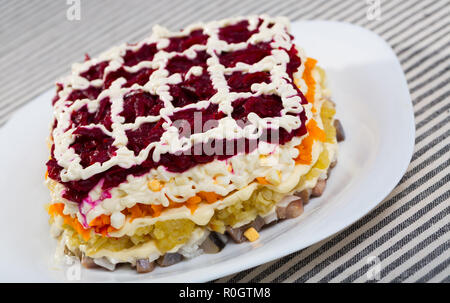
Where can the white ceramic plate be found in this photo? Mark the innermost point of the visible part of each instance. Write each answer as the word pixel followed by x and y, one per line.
pixel 373 104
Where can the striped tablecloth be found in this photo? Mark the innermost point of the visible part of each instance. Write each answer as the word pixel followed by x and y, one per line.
pixel 406 238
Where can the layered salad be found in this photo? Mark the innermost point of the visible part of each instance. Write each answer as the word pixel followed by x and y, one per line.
pixel 176 145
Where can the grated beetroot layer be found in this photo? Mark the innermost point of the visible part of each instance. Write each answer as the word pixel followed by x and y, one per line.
pixel 95 146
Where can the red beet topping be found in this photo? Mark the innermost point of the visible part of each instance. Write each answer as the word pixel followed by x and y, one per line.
pixel 101 116
pixel 192 90
pixel 182 64
pixel 264 106
pixel 180 44
pixel 241 83
pixel 78 190
pixel 59 87
pixel 294 62
pixel 140 77
pixel 208 115
pixel 250 55
pixel 140 104
pixel 238 32
pixel 145 53
pixel 95 71
pixel 90 93
pixel 146 133
pixel 93 145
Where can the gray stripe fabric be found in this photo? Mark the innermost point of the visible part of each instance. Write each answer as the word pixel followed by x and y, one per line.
pixel 408 233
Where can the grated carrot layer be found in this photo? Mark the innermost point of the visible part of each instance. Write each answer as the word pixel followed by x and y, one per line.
pixel 305 148
pixel 58 208
pixel 262 180
pixel 309 80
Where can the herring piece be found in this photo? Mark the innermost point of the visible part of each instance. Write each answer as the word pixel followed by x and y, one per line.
pixel 237 234
pixel 286 200
pixel 270 218
pixel 257 224
pixel 144 266
pixel 214 243
pixel 292 210
pixel 317 191
pixel 340 134
pixel 169 259
pixel 304 195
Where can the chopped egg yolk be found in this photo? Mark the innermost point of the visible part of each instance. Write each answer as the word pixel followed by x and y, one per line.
pixel 154 185
pixel 251 234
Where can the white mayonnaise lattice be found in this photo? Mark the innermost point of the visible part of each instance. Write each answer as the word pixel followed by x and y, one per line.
pixel 158 84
